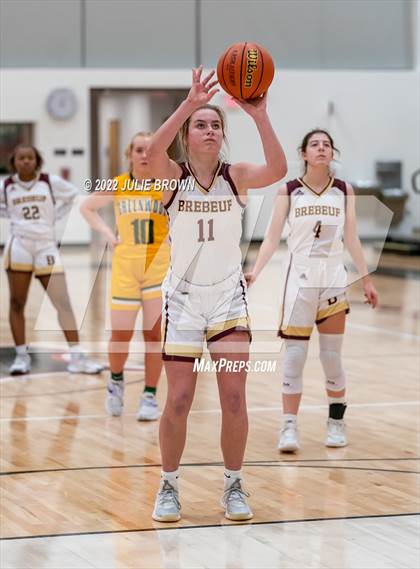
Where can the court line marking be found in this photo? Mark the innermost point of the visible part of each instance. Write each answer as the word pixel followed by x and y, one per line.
pixel 331 459
pixel 32 376
pixel 395 333
pixel 68 375
pixel 315 407
pixel 67 392
pixel 220 525
pixel 357 326
pixel 263 463
pixel 253 355
pixel 367 328
pixel 215 463
pixel 201 411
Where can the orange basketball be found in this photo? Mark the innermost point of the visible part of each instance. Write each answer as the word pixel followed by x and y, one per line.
pixel 245 70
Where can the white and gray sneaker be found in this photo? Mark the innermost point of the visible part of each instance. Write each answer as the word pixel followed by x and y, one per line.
pixel 234 502
pixel 167 505
pixel 289 439
pixel 114 402
pixel 148 408
pixel 80 364
pixel 336 433
pixel 21 365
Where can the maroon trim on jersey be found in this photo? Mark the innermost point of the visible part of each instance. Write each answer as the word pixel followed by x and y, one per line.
pixel 184 175
pixel 45 178
pixel 167 358
pixel 185 171
pixel 8 255
pixel 225 173
pixel 8 181
pixel 216 173
pixel 242 282
pixel 166 308
pixel 236 328
pixel 341 185
pixel 328 186
pixel 292 185
pixel 284 292
pixel 346 310
pixel 227 332
pixel 280 334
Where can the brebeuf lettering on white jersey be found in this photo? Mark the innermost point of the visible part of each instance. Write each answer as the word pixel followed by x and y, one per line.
pixel 317 210
pixel 205 230
pixel 34 206
pixel 202 206
pixel 317 221
pixel 27 199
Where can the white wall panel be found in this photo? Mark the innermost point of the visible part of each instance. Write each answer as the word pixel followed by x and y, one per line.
pixel 40 33
pixel 376 118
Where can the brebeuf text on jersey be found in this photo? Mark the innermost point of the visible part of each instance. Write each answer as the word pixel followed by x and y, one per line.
pixel 317 210
pixel 26 199
pixel 204 206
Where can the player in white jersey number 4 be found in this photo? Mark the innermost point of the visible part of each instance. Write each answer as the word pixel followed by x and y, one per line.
pixel 320 211
pixel 33 201
pixel 204 294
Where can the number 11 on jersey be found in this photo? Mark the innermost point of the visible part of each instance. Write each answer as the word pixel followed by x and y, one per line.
pixel 201 237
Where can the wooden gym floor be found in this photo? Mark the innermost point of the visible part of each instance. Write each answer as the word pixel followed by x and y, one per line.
pixel 77 487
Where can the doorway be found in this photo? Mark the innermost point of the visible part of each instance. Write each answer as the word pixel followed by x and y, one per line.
pixel 117 114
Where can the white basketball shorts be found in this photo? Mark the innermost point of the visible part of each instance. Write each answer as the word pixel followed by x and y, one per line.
pixel 314 289
pixel 194 313
pixel 32 256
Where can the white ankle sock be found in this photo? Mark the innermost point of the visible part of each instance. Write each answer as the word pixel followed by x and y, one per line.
pixel 290 418
pixel 21 350
pixel 74 349
pixel 171 477
pixel 231 476
pixel 332 400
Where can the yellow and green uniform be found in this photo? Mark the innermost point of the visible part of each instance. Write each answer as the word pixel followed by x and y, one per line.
pixel 141 259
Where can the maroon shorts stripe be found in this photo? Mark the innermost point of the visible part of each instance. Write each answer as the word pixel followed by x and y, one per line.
pixel 346 310
pixel 169 358
pixel 289 337
pixel 227 332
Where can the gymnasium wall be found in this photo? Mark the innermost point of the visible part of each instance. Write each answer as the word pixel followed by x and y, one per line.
pixel 347 65
pixel 375 117
pixel 301 34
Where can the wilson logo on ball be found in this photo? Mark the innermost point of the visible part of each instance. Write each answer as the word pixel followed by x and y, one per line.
pixel 245 70
pixel 251 66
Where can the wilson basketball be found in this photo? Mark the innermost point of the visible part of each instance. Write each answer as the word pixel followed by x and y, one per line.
pixel 245 70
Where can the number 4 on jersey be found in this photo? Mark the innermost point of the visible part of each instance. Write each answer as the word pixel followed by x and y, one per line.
pixel 317 229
